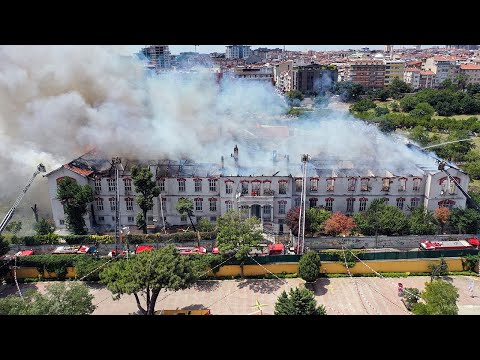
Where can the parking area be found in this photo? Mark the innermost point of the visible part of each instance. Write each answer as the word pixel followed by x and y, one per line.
pixel 340 296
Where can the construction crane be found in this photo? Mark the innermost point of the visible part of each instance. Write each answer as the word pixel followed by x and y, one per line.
pixel 8 217
pixel 441 167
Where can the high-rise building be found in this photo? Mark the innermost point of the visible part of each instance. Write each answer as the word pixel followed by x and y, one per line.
pixel 314 79
pixel 158 56
pixel 394 69
pixel 238 51
pixel 369 73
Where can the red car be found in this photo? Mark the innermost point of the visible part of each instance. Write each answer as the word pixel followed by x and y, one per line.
pixel 215 250
pixel 143 248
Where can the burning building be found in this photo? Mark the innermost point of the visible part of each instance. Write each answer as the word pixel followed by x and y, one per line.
pixel 266 191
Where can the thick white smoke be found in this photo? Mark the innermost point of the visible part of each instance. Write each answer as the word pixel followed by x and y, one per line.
pixel 58 101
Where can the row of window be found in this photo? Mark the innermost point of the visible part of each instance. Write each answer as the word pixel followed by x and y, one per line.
pixel 364 184
pixel 130 219
pixel 112 185
pixel 313 202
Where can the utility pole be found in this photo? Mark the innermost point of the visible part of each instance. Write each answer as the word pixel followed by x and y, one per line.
pixel 116 161
pixel 301 218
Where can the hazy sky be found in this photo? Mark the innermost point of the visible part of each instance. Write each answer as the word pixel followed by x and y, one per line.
pixel 206 49
pixel 176 49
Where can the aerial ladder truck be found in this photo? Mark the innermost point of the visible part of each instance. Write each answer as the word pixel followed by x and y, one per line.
pixel 8 217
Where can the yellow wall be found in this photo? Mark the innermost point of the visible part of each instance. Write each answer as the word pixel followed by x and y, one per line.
pixel 331 267
pixel 31 272
pixel 413 265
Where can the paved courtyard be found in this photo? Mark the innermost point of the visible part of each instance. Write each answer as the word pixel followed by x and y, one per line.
pixel 359 296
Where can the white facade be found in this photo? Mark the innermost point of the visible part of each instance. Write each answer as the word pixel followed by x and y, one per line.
pixel 440 66
pixel 267 197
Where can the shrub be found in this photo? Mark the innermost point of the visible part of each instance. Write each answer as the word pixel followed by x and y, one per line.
pixel 309 266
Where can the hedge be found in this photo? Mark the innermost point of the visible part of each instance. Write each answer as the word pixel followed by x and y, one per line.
pixel 108 239
pixel 59 263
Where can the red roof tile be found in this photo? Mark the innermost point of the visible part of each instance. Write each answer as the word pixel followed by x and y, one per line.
pixel 78 170
pixel 427 72
pixel 469 67
pixel 412 70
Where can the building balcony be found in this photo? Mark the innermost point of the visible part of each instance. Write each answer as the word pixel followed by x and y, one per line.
pixel 255 199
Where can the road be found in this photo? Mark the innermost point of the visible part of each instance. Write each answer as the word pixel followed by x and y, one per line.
pixel 340 296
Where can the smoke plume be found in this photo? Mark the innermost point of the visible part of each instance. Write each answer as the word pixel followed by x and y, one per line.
pixel 58 101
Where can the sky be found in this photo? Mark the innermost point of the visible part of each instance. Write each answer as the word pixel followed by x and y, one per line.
pixel 206 49
pixel 176 49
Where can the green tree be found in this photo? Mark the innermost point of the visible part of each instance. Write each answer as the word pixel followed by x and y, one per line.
pixel 14 227
pixel 408 103
pixel 185 206
pixel 148 273
pixel 4 248
pixel 146 187
pixel 294 97
pixel 419 135
pixel 473 89
pixel 238 235
pixel 455 151
pixel 72 298
pixel 205 225
pixel 440 299
pixel 298 302
pixel 473 169
pixel 387 126
pixel 395 106
pixel 384 219
pixel 44 227
pixel 348 90
pixel 447 84
pixel 422 222
pixel 315 219
pixel 461 81
pixel 382 94
pixel 381 110
pixel 410 296
pixel 422 109
pixel 74 199
pixel 309 266
pixel 398 87
pixel 363 105
pixel 465 221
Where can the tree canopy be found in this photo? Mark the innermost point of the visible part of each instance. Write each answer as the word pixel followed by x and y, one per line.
pixel 238 235
pixel 422 222
pixel 315 219
pixel 185 207
pixel 298 302
pixel 338 224
pixel 309 266
pixel 64 298
pixel 44 227
pixel 440 299
pixel 148 273
pixel 75 199
pixel 146 190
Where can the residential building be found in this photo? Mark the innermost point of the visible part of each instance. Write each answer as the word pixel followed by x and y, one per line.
pixel 441 66
pixel 471 71
pixel 252 72
pixel 369 73
pixel 314 79
pixel 394 69
pixel 238 51
pixel 215 188
pixel 419 79
pixel 158 56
